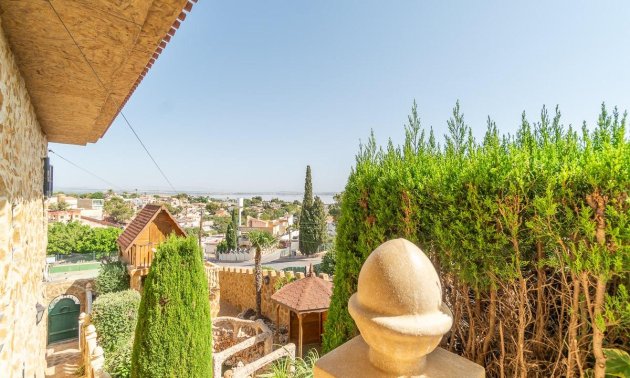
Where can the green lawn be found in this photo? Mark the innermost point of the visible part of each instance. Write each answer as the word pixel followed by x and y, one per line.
pixel 74 267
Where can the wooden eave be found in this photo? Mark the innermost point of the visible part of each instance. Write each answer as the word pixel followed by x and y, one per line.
pixel 82 59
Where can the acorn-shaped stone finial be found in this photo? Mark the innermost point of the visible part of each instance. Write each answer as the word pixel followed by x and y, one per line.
pixel 398 307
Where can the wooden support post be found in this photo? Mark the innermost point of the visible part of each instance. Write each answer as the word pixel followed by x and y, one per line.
pixel 301 335
pixel 278 320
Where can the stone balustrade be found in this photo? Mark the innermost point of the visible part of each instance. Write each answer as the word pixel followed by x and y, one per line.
pixel 399 311
pixel 212 273
pixel 248 370
pixel 92 355
pixel 257 331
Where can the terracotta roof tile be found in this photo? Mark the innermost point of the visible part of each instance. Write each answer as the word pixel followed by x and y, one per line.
pixel 308 294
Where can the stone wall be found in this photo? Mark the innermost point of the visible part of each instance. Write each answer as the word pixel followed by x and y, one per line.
pixel 23 225
pixel 77 288
pixel 238 289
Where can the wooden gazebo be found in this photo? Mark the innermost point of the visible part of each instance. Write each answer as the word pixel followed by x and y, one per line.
pixel 307 300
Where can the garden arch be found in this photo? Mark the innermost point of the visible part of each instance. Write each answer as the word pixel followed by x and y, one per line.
pixel 63 318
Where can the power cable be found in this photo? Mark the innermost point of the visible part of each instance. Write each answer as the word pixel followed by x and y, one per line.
pixel 148 153
pixel 105 88
pixel 86 171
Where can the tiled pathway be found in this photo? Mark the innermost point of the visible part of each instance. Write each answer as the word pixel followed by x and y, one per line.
pixel 62 360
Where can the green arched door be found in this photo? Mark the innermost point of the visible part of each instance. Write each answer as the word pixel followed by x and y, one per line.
pixel 63 319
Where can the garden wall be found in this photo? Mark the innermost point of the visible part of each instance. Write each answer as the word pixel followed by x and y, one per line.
pixel 238 289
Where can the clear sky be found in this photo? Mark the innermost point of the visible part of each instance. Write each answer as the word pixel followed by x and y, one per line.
pixel 249 92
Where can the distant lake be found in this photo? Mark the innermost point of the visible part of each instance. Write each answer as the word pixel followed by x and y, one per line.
pixel 327 198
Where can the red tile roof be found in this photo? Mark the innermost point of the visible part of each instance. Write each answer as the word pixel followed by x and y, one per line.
pixel 99 221
pixel 142 220
pixel 306 295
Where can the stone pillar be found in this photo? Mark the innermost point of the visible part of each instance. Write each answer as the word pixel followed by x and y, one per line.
pixel 98 361
pixel 135 279
pixel 82 318
pixel 399 311
pixel 90 346
pixel 88 297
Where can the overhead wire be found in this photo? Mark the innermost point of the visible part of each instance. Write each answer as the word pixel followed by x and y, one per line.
pixel 85 170
pixel 105 88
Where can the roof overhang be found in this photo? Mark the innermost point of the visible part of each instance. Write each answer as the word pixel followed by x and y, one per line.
pixel 82 59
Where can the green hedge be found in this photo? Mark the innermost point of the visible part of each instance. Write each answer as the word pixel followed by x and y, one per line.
pixel 174 338
pixel 530 233
pixel 118 362
pixel 112 277
pixel 115 315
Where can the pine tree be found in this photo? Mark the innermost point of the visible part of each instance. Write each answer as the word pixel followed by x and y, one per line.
pixel 174 336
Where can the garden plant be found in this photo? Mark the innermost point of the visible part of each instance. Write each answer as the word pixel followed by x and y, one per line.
pixel 530 233
pixel 174 336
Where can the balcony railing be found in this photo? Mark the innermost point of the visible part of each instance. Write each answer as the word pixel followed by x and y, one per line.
pixel 212 272
pixel 141 255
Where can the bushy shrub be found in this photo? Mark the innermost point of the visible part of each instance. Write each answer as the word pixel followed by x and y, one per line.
pixel 529 232
pixel 328 262
pixel 222 247
pixel 118 361
pixel 174 338
pixel 282 281
pixel 112 277
pixel 115 315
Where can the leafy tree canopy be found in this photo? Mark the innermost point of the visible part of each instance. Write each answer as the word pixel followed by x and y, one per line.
pixel 118 210
pixel 73 237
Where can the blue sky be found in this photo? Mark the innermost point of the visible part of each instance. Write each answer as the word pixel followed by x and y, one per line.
pixel 249 92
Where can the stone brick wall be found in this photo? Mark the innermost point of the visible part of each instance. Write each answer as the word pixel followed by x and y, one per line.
pixel 23 225
pixel 75 287
pixel 237 288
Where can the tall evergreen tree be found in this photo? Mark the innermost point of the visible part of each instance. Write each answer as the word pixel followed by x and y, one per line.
pixel 231 234
pixel 174 337
pixel 235 217
pixel 306 225
pixel 307 202
pixel 312 219
pixel 318 219
pixel 230 237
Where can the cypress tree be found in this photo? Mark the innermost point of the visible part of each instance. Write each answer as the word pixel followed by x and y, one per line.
pixel 174 336
pixel 306 224
pixel 307 202
pixel 230 237
pixel 318 219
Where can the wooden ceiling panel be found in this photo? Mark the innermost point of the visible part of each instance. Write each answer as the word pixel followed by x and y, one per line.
pixel 130 10
pixel 59 44
pixel 104 39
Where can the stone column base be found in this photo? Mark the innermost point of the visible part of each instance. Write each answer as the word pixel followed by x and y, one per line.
pixel 351 360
